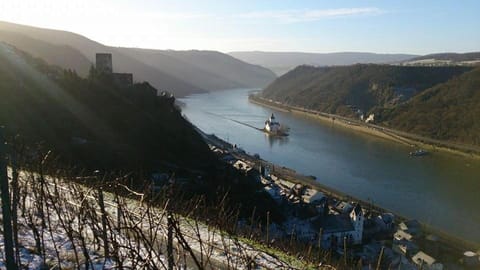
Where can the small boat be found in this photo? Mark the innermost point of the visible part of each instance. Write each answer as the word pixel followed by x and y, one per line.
pixel 418 153
pixel 272 127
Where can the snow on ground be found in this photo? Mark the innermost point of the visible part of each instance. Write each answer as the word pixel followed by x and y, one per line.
pixel 56 241
pixel 139 240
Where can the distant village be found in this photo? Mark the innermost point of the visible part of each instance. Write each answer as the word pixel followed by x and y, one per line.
pixel 339 225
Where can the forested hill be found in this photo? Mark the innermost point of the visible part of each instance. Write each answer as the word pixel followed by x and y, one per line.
pixel 94 122
pixel 361 87
pixel 437 102
pixel 448 111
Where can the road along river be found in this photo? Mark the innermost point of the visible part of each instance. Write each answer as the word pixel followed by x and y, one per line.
pixel 441 189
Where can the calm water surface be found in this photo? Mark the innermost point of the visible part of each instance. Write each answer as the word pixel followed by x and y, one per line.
pixel 440 189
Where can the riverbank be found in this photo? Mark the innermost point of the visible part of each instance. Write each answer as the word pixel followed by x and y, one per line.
pixel 291 176
pixel 397 136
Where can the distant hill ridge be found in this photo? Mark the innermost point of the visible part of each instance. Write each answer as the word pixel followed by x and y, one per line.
pixel 282 62
pixel 210 70
pixel 180 72
pixel 456 57
pixel 60 55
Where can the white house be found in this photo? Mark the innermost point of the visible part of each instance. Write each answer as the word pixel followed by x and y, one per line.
pixel 336 229
pixel 370 118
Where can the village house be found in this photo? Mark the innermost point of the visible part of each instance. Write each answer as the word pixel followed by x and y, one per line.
pixel 264 171
pixel 242 165
pixel 386 221
pixel 371 251
pixel 339 228
pixel 402 235
pixel 301 230
pixel 471 259
pixel 406 248
pixel 311 196
pixel 412 227
pixel 424 261
pixel 343 207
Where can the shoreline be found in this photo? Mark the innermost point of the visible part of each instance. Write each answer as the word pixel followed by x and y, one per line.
pixel 293 177
pixel 397 136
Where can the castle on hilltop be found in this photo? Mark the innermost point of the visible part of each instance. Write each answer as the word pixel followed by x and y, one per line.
pixel 103 65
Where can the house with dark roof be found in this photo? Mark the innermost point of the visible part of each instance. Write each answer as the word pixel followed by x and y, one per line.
pixel 412 227
pixel 335 229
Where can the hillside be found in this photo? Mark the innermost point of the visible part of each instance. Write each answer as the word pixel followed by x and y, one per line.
pixel 282 62
pixel 93 122
pixel 229 67
pixel 182 74
pixel 121 62
pixel 208 69
pixel 346 89
pixel 448 111
pixel 60 55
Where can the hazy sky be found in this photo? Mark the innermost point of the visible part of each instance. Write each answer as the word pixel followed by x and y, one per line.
pixel 400 26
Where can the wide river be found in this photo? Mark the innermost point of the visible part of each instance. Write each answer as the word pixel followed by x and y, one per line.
pixel 442 190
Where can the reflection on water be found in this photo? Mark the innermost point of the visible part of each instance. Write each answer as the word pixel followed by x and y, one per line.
pixel 273 140
pixel 439 189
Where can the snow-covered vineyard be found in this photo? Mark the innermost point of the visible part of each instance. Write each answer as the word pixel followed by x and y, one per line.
pixel 64 225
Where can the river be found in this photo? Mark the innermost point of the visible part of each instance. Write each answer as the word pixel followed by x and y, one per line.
pixel 440 189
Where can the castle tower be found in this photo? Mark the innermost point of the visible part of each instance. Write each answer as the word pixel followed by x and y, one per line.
pixel 357 219
pixel 104 63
